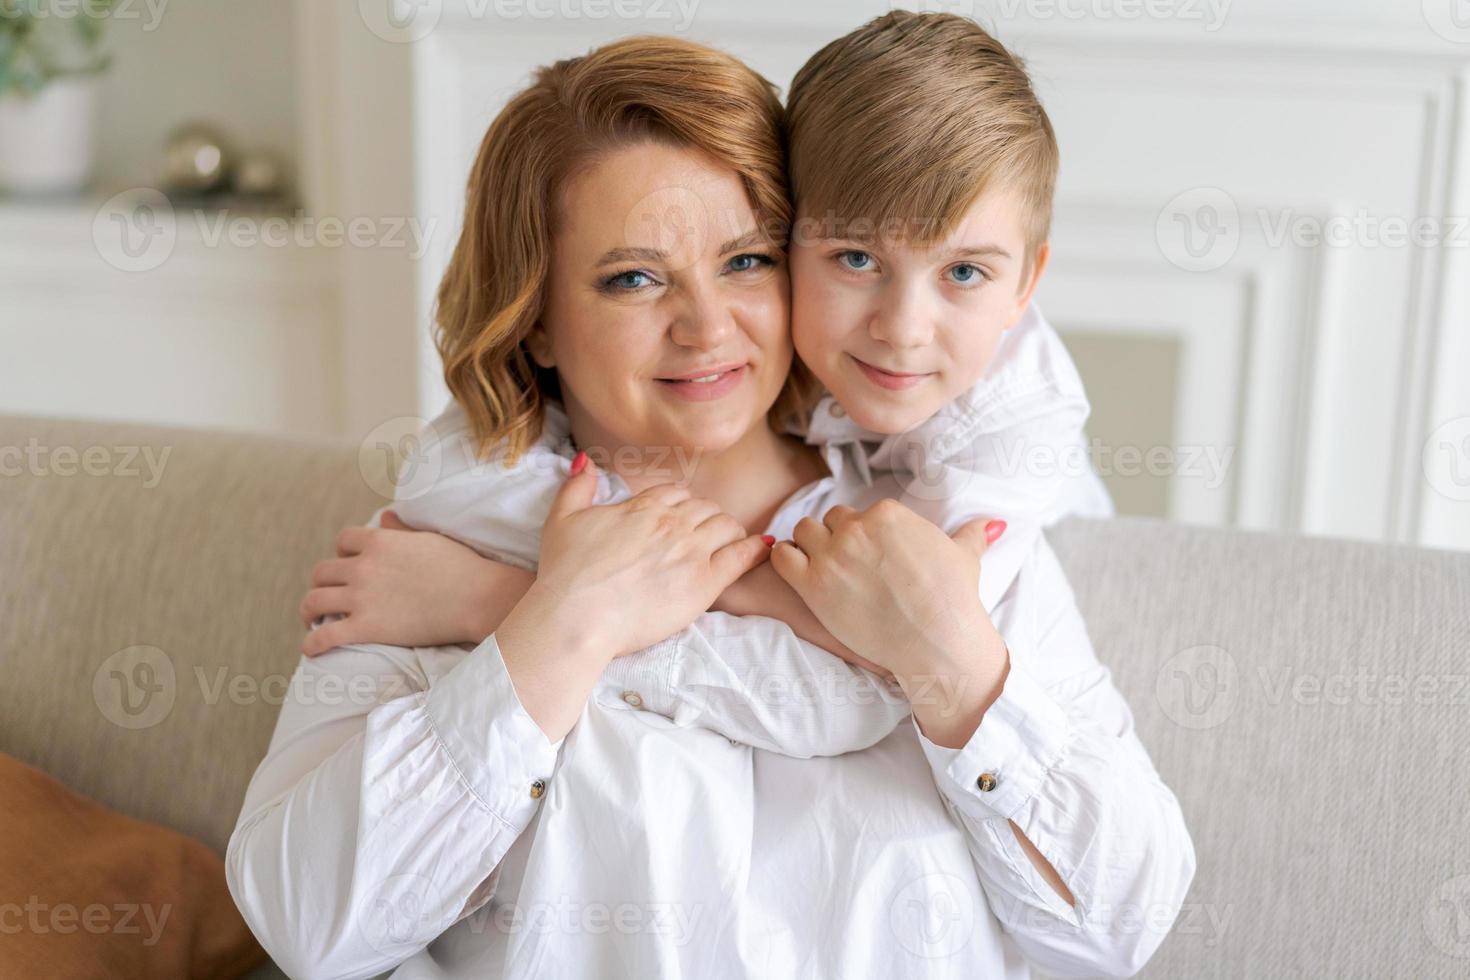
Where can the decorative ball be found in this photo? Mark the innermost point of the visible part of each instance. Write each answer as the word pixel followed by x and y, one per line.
pixel 195 158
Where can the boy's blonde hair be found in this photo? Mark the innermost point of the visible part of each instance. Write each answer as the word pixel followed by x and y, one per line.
pixel 572 113
pixel 902 124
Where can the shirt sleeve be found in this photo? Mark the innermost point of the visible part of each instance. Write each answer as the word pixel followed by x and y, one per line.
pixel 384 805
pixel 1056 753
pixel 754 681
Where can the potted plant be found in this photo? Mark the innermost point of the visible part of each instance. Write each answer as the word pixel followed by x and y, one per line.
pixel 50 57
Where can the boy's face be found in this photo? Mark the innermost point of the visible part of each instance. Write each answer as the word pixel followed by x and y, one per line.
pixel 896 330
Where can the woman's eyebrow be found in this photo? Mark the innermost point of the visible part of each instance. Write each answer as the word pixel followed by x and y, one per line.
pixel 632 254
pixel 749 239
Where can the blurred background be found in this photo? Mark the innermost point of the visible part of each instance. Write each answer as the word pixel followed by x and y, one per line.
pixel 230 215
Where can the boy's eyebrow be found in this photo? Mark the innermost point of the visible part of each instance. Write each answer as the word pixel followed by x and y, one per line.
pixel 976 251
pixel 631 253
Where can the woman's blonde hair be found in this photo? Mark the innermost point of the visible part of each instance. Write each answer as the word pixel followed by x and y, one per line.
pixel 632 90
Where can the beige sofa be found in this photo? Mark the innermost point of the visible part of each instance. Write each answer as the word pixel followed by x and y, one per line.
pixel 1307 700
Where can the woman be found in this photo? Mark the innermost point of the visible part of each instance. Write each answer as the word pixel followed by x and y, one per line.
pixel 384 819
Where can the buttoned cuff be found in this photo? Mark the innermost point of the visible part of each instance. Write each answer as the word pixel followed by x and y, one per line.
pixel 500 751
pixel 1003 764
pixel 644 680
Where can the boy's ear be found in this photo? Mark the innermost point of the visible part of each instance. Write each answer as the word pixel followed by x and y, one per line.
pixel 539 346
pixel 1023 298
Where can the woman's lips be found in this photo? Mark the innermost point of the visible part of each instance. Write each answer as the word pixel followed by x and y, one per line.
pixel 703 391
pixel 887 379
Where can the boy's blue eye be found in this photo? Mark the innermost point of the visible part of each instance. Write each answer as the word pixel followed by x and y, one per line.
pixel 965 273
pixel 855 260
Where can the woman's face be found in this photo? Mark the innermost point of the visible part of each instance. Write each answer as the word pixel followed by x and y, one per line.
pixel 659 275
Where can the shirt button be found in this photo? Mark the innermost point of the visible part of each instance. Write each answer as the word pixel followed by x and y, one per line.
pixel 837 411
pixel 537 788
pixel 986 782
pixel 633 699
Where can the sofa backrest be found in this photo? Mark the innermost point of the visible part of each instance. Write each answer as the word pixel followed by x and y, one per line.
pixel 1305 699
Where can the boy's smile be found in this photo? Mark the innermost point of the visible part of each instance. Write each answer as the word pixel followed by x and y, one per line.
pixel 895 329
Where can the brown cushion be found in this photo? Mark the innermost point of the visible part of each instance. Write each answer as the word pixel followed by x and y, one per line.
pixel 86 892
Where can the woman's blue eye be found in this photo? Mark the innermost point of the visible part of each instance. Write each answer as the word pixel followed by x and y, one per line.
pixel 855 260
pixel 966 273
pixel 636 279
pixel 750 262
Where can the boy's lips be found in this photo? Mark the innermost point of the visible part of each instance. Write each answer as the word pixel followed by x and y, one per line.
pixel 891 380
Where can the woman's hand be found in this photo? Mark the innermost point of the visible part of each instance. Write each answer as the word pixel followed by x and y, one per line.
pixel 903 594
pixel 639 571
pixel 407 588
pixel 613 579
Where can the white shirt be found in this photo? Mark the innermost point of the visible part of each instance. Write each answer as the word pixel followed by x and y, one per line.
pixel 411 818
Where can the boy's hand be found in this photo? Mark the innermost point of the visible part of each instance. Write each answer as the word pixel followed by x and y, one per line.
pixel 407 588
pixel 896 589
pixel 762 592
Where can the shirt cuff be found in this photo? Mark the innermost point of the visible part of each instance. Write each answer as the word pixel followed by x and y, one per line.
pixel 500 751
pixel 1019 740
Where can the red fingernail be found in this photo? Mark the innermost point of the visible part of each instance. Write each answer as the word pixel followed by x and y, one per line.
pixel 769 539
pixel 994 530
pixel 579 462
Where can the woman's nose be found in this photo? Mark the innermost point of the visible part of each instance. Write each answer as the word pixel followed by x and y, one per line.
pixel 703 321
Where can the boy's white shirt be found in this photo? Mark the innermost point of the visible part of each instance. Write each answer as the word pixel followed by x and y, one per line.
pixel 981 456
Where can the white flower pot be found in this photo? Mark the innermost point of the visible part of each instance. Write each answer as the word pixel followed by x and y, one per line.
pixel 46 139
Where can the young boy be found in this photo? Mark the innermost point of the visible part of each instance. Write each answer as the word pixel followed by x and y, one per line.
pixel 923 168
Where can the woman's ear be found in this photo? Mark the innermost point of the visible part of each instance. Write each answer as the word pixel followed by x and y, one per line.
pixel 539 346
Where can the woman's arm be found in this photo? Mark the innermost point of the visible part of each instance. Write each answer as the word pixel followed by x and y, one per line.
pixel 397 779
pixel 750 678
pixel 1081 848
